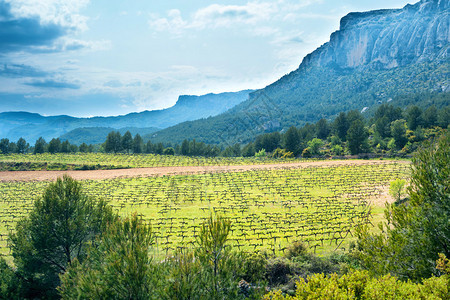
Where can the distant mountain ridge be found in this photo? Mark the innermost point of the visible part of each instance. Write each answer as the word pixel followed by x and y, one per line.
pixel 373 58
pixel 31 126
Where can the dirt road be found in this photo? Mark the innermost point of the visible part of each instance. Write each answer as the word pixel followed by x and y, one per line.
pixel 8 176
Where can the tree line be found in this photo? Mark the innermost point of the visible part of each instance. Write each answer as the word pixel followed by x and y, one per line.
pixel 391 130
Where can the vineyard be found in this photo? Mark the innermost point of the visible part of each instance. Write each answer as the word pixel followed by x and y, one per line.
pixel 269 209
pixel 136 160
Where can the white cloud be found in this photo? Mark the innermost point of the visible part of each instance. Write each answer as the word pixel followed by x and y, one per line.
pixel 61 12
pixel 215 16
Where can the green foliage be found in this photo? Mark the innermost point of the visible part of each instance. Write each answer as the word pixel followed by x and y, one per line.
pixel 9 282
pixel 337 150
pixel 40 146
pixel 414 234
pixel 169 151
pixel 127 142
pixel 282 153
pixel 215 258
pixel 292 140
pixel 397 189
pixel 357 137
pixel 398 132
pixel 360 285
pixel 58 229
pixel 314 146
pixel 119 267
pixel 261 153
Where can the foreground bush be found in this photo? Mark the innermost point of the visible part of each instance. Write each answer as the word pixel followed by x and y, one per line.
pixel 360 285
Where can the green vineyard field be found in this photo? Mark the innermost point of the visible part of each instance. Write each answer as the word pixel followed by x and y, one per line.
pixel 269 209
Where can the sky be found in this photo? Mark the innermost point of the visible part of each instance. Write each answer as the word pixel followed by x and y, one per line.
pixel 111 57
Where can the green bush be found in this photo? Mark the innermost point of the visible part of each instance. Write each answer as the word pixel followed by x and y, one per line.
pixel 360 285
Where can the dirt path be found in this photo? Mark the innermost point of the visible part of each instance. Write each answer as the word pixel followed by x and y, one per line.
pixel 8 176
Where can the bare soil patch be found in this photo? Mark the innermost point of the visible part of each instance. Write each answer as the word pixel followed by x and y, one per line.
pixel 8 176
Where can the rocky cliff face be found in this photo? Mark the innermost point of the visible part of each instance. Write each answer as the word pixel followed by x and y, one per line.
pixel 386 39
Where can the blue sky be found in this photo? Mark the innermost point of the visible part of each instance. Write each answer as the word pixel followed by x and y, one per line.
pixel 111 57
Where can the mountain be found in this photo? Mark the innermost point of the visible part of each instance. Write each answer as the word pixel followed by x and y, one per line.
pixel 374 57
pixel 31 126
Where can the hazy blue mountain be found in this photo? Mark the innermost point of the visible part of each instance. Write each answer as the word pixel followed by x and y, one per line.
pixel 30 126
pixel 374 57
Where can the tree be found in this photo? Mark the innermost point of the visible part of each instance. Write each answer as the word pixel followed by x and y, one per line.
pixel 158 148
pixel 341 125
pixel 248 150
pixel 127 142
pixel 218 266
pixel 383 127
pixel 169 151
pixel 430 117
pixel 118 268
pixel 417 231
pixel 398 131
pixel 397 188
pixel 54 146
pixel 22 146
pixel 40 145
pixel 58 229
pixel 185 147
pixel 357 137
pixel 65 147
pixel 149 148
pixel 414 117
pixel 84 148
pixel 138 144
pixel 384 116
pixel 292 140
pixel 4 146
pixel 113 142
pixel 322 129
pixel 9 282
pixel 314 146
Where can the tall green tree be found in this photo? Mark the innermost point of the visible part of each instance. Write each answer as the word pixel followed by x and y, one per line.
pixel 4 146
pixel 62 223
pixel 398 132
pixel 430 117
pixel 414 117
pixel 40 146
pixel 185 147
pixel 22 146
pixel 54 146
pixel 322 129
pixel 357 137
pixel 113 142
pixel 127 142
pixel 138 143
pixel 341 125
pixel 417 231
pixel 65 147
pixel 292 140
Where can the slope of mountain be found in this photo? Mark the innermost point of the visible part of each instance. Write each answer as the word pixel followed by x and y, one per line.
pixel 14 125
pixel 97 135
pixel 374 57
